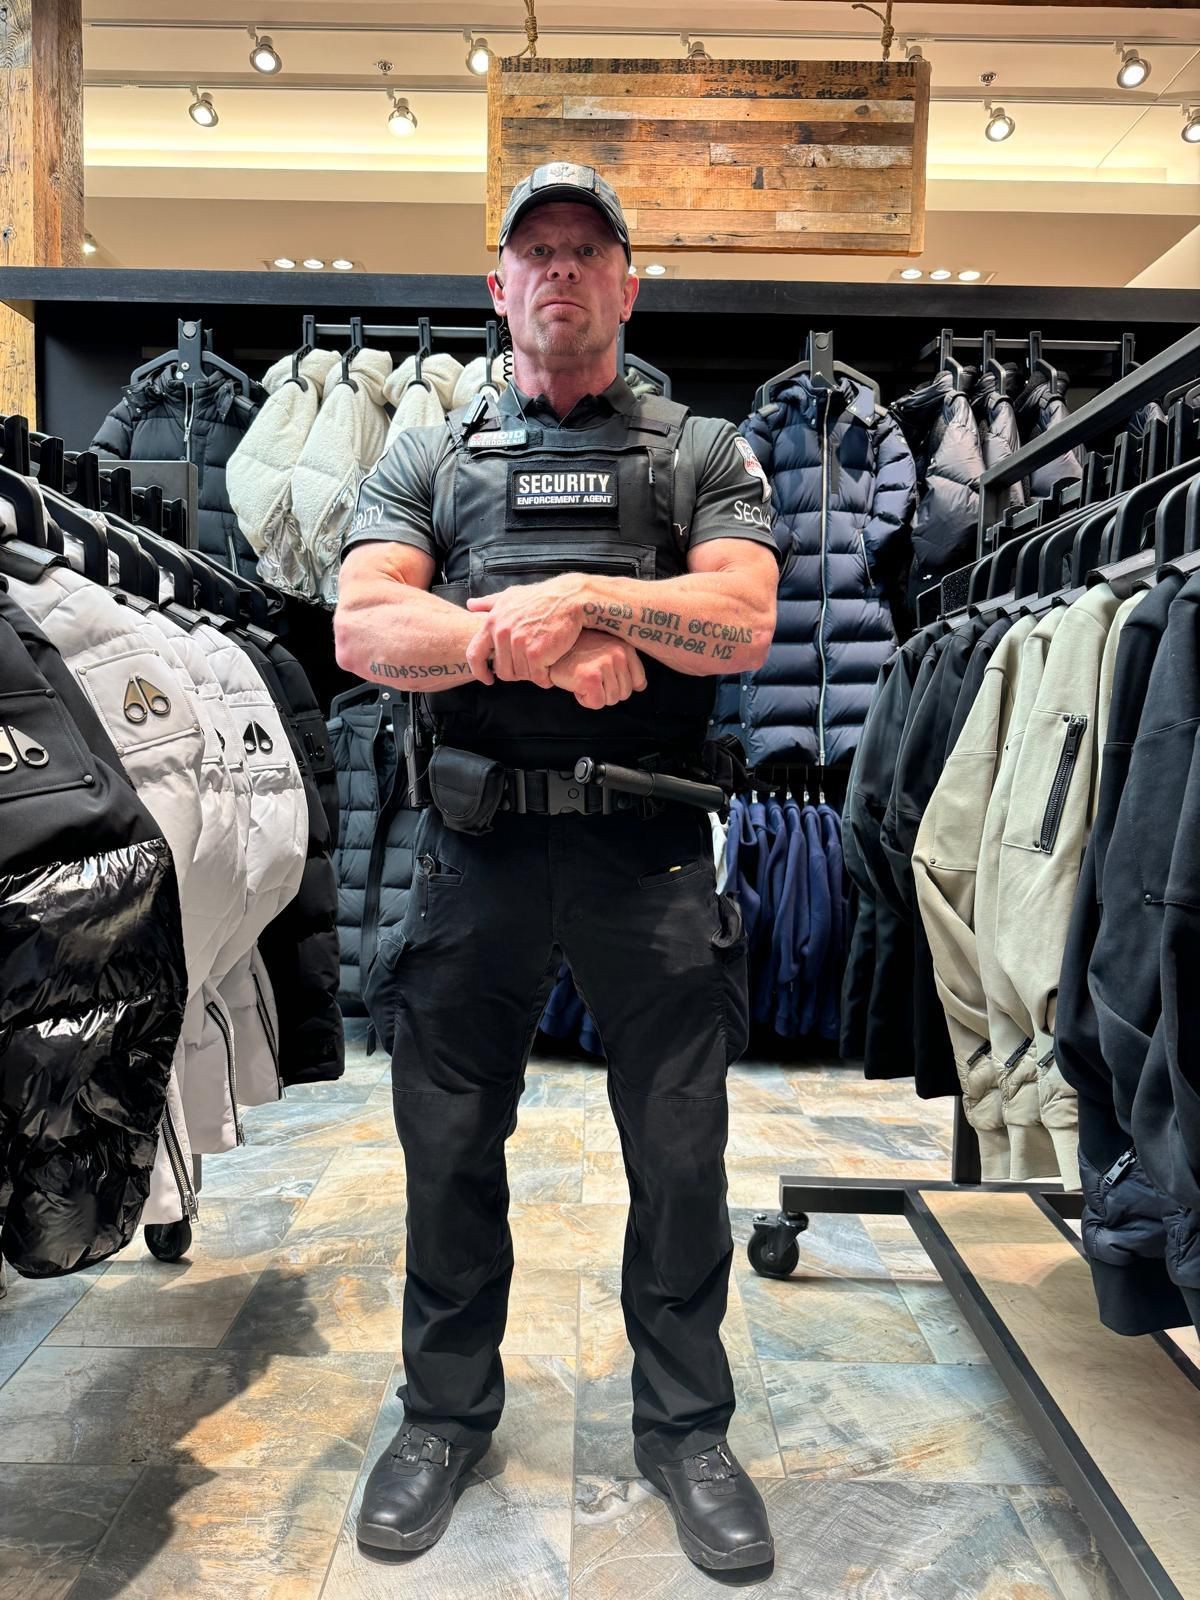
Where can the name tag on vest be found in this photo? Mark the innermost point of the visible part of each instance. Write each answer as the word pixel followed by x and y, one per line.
pixel 498 439
pixel 574 488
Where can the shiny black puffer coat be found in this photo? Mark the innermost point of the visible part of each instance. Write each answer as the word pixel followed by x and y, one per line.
pixel 92 973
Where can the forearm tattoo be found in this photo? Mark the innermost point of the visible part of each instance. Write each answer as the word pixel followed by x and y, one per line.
pixel 716 641
pixel 389 669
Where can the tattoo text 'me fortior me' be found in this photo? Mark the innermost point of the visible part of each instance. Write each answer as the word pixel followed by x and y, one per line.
pixel 703 636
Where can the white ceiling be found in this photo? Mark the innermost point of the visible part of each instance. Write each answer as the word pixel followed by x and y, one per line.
pixel 1095 186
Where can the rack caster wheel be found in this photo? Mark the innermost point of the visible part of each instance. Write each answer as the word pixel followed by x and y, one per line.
pixel 169 1241
pixel 772 1249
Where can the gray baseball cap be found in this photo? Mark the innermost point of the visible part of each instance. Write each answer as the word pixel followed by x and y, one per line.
pixel 569 181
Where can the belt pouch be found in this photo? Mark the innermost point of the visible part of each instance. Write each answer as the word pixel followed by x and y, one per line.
pixel 466 789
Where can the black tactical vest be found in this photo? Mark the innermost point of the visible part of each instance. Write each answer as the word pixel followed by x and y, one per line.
pixel 533 501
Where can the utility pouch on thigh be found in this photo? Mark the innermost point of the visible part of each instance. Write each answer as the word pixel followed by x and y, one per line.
pixel 467 789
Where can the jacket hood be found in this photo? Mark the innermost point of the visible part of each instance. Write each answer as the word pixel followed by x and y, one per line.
pixel 439 372
pixel 802 394
pixel 369 370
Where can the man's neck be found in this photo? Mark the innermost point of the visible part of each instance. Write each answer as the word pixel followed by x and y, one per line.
pixel 565 386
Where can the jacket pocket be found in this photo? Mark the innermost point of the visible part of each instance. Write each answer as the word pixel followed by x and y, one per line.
pixel 379 989
pixel 41 751
pixel 1060 786
pixel 686 869
pixel 729 945
pixel 139 698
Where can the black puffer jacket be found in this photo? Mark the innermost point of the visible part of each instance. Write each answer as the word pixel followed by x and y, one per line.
pixel 94 980
pixel 943 436
pixel 1041 406
pixel 996 416
pixel 300 947
pixel 163 420
pixel 376 833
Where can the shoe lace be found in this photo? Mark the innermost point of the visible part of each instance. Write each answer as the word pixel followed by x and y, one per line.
pixel 416 1447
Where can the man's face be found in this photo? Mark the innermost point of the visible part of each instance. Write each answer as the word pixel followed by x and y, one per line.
pixel 563 284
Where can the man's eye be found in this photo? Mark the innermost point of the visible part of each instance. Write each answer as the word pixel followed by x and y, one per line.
pixel 588 250
pixel 538 250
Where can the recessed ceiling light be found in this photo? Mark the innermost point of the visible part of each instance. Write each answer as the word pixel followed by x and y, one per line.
pixel 202 111
pixel 342 265
pixel 940 274
pixel 89 245
pixel 1134 69
pixel 315 264
pixel 911 274
pixel 264 57
pixel 284 263
pixel 999 124
pixel 1190 132
pixel 402 122
pixel 654 269
pixel 479 57
pixel 971 275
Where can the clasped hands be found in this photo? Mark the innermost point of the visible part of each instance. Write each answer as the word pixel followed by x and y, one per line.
pixel 536 633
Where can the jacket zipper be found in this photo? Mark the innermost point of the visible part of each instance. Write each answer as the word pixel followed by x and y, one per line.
pixel 272 1042
pixel 824 585
pixel 183 1182
pixel 1118 1169
pixel 188 409
pixel 230 1070
pixel 1062 783
pixel 862 542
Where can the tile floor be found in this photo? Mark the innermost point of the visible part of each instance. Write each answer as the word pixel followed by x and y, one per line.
pixel 203 1429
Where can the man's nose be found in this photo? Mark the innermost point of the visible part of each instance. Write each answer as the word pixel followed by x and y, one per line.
pixel 564 265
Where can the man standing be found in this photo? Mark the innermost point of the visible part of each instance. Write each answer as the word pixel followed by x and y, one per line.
pixel 563 574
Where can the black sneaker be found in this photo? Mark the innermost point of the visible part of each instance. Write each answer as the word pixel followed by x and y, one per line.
pixel 409 1497
pixel 719 1514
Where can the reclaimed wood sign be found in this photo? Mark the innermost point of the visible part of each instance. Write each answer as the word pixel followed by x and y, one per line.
pixel 726 155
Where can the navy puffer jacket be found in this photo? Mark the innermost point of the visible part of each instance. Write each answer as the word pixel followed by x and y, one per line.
pixel 844 485
pixel 943 435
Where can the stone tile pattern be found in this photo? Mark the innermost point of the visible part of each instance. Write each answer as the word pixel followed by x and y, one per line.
pixel 204 1429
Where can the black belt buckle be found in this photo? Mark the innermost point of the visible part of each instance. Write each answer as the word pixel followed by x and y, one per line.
pixel 564 793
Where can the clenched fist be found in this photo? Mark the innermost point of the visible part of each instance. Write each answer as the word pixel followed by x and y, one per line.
pixel 599 671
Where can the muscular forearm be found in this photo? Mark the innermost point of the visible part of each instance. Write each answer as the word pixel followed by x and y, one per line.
pixel 406 637
pixel 701 624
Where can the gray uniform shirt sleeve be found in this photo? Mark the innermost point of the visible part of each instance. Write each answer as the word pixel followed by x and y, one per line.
pixel 719 474
pixel 396 500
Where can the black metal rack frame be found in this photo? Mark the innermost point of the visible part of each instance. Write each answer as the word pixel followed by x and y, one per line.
pixel 1114 1530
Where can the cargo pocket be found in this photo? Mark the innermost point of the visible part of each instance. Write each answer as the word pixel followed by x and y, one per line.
pixel 41 751
pixel 379 990
pixel 729 947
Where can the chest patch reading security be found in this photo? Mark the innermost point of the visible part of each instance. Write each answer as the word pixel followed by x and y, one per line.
pixel 575 488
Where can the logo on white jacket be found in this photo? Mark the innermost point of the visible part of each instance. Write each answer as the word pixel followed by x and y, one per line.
pixel 17 749
pixel 144 699
pixel 256 738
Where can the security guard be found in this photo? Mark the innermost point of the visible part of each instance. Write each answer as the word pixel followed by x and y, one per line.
pixel 561 575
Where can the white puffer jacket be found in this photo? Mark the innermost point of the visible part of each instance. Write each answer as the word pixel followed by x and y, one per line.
pixel 472 379
pixel 342 446
pixel 423 403
pixel 259 474
pixel 140 691
pixel 277 847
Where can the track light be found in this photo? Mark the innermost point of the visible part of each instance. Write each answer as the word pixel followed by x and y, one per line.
pixel 402 122
pixel 479 57
pixel 314 264
pixel 655 269
pixel 264 57
pixel 284 263
pixel 970 275
pixel 202 111
pixel 695 48
pixel 342 264
pixel 911 274
pixel 940 274
pixel 1190 132
pixel 999 125
pixel 89 246
pixel 1134 69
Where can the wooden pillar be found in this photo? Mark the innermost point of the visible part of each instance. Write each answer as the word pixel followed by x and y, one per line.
pixel 41 165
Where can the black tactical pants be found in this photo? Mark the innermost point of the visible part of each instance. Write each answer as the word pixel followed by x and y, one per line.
pixel 660 962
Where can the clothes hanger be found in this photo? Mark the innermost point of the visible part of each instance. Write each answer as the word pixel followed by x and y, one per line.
pixel 46 452
pixel 189 358
pixel 1038 365
pixel 70 519
pixel 820 366
pixel 1129 564
pixel 355 346
pixel 947 363
pixel 424 349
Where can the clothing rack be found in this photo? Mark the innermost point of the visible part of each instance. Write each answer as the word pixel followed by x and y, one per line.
pixel 929 1208
pixel 1123 347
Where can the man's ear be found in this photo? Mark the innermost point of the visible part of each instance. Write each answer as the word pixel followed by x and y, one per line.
pixel 632 285
pixel 495 284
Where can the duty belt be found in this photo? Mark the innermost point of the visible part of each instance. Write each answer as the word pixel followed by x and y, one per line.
pixel 545 793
